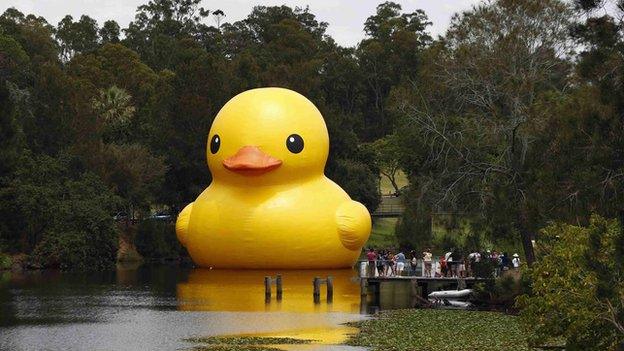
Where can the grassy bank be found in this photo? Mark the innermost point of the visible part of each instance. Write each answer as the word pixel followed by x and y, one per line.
pixel 383 234
pixel 416 330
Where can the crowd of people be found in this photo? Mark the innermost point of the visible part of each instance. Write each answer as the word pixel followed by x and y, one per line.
pixel 452 264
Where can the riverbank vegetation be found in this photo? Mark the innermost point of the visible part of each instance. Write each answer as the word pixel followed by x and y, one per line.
pixel 577 290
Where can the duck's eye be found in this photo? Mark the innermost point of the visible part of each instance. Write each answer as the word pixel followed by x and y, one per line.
pixel 215 143
pixel 294 143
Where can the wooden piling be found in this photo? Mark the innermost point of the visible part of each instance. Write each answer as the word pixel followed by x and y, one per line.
pixel 317 289
pixel 267 289
pixel 278 287
pixel 363 286
pixel 330 289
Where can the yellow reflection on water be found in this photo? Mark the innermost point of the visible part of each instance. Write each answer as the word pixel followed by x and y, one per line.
pixel 243 291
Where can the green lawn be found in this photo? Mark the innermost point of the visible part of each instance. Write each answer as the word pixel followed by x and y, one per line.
pixel 426 330
pixel 382 234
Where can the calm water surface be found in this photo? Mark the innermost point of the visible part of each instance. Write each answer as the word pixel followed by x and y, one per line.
pixel 157 308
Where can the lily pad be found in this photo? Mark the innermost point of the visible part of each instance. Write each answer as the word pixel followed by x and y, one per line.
pixel 451 330
pixel 224 343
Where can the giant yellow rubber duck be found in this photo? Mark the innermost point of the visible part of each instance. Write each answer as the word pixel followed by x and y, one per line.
pixel 269 204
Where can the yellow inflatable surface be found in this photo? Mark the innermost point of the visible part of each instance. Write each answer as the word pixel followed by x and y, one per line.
pixel 269 204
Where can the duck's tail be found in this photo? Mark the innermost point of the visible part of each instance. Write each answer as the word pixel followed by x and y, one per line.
pixel 182 224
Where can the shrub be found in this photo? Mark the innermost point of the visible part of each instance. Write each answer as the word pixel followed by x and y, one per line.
pixel 60 214
pixel 577 286
pixel 500 293
pixel 157 240
pixel 5 261
pixel 77 249
pixel 485 268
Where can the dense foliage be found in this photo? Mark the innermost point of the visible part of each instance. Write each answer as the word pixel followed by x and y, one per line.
pixel 60 213
pixel 511 128
pixel 578 286
pixel 157 240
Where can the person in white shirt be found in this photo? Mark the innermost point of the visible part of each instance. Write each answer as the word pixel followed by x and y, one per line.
pixel 427 258
pixel 516 261
pixel 400 263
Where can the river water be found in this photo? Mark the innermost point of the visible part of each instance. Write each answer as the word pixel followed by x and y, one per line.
pixel 157 308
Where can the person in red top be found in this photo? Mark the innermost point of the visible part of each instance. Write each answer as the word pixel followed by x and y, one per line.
pixel 372 258
pixel 443 266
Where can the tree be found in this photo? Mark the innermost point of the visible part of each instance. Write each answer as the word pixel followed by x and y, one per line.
pixel 387 150
pixel 478 110
pixel 218 16
pixel 115 111
pixel 60 212
pixel 77 37
pixel 389 55
pixel 133 173
pixel 33 33
pixel 14 102
pixel 578 286
pixel 129 168
pixel 285 47
pixel 159 24
pixel 109 33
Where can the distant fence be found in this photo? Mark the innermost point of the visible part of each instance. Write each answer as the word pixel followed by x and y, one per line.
pixel 389 210
pixel 390 206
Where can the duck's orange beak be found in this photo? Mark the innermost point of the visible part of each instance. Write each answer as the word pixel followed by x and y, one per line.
pixel 250 160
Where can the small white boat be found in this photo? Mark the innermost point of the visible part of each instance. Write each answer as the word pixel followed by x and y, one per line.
pixel 450 294
pixel 452 304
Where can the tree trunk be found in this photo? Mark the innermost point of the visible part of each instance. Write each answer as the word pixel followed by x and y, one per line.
pixel 526 235
pixel 392 178
pixel 394 185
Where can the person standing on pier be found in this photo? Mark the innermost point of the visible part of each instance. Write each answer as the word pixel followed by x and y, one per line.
pixel 372 260
pixel 390 263
pixel 413 263
pixel 427 258
pixel 400 263
pixel 443 266
pixel 516 261
pixel 381 263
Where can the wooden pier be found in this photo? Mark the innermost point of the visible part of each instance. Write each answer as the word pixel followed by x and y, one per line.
pixel 416 287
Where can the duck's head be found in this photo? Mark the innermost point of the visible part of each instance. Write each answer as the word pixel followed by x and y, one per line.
pixel 267 136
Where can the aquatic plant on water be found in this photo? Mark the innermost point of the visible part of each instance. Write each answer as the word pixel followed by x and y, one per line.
pixel 452 330
pixel 242 343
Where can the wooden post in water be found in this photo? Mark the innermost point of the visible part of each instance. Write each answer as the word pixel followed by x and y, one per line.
pixel 330 289
pixel 317 289
pixel 267 289
pixel 278 287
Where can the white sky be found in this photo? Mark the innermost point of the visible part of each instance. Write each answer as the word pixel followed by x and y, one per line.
pixel 345 18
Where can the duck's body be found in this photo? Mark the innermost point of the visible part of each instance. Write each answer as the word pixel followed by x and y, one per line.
pixel 270 216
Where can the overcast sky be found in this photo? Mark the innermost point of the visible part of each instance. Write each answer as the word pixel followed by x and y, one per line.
pixel 345 18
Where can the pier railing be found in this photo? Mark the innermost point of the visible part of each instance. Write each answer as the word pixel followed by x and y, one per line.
pixel 408 271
